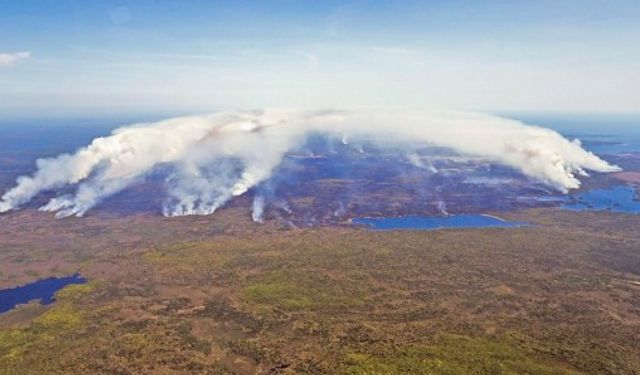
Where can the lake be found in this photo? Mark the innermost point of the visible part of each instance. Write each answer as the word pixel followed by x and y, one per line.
pixel 43 290
pixel 599 133
pixel 435 222
pixel 616 199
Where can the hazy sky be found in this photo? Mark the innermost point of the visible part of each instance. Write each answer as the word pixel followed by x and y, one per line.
pixel 71 57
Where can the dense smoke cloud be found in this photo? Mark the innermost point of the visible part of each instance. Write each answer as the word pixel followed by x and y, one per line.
pixel 217 157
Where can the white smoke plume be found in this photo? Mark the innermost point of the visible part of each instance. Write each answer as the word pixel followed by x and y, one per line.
pixel 224 155
pixel 257 209
pixel 421 163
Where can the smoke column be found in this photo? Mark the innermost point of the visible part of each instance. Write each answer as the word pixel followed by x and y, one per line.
pixel 217 157
pixel 257 208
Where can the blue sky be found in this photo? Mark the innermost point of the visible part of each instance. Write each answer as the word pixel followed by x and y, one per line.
pixel 95 57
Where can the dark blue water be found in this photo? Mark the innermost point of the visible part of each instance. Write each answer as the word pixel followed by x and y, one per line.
pixel 43 290
pixel 435 222
pixel 610 144
pixel 600 133
pixel 616 199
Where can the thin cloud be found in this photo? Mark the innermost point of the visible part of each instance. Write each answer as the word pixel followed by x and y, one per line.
pixel 9 59
pixel 312 59
pixel 104 52
pixel 394 50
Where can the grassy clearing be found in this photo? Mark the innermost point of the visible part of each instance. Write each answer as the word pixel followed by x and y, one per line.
pixel 304 291
pixel 452 354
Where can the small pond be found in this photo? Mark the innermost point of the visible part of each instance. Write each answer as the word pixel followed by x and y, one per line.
pixel 43 290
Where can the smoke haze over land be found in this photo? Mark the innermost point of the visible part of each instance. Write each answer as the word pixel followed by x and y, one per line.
pixel 213 158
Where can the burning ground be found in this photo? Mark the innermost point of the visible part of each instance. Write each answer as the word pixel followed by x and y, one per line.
pixel 206 161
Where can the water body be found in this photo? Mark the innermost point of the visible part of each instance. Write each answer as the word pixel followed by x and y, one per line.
pixel 435 222
pixel 600 133
pixel 615 199
pixel 43 290
pixel 610 144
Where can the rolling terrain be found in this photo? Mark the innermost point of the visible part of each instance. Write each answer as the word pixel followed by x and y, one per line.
pixel 220 294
